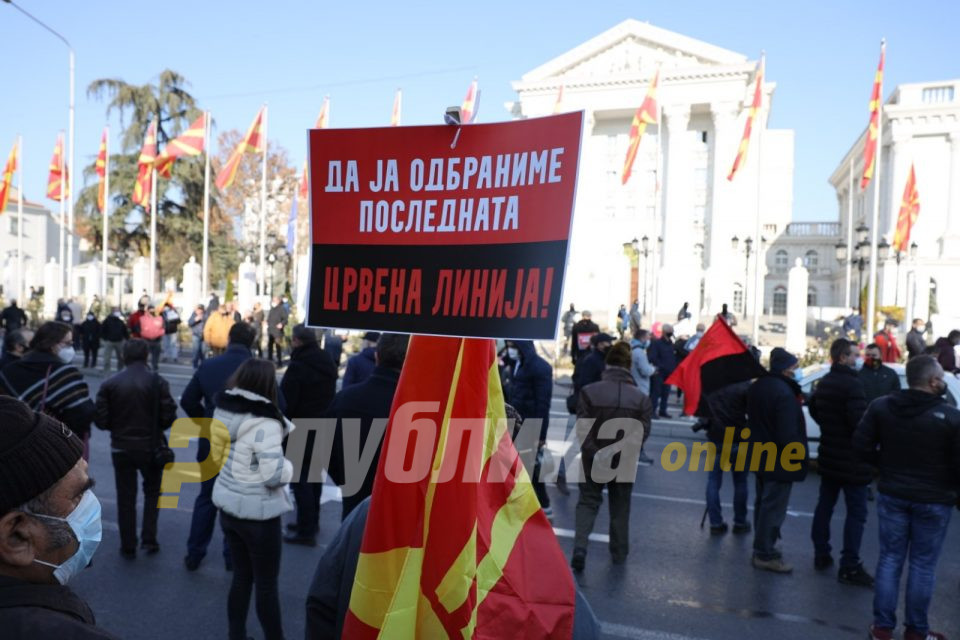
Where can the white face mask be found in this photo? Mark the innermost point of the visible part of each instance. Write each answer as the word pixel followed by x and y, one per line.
pixel 66 354
pixel 87 527
pixel 513 354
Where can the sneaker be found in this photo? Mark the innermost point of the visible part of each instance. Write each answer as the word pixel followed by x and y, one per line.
pixel 129 554
pixel 857 576
pixel 579 559
pixel 822 562
pixel 880 633
pixel 151 548
pixel 718 529
pixel 664 414
pixel 562 485
pixel 192 563
pixel 776 565
pixel 548 511
pixel 742 528
pixel 912 634
pixel 645 460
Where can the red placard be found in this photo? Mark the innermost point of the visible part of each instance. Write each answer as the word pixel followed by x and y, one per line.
pixel 434 231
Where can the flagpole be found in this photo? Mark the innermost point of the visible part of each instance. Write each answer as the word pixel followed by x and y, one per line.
pixel 153 231
pixel 206 204
pixel 105 213
pixel 655 272
pixel 874 232
pixel 63 223
pixel 263 207
pixel 67 182
pixel 20 221
pixel 758 230
pixel 849 237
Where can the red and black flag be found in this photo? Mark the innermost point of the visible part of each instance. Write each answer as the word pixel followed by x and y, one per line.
pixel 719 359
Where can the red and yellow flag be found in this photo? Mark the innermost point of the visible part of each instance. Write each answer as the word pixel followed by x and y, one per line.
pixel 461 550
pixel 251 142
pixel 468 110
pixel 8 171
pixel 909 210
pixel 148 154
pixel 873 130
pixel 646 114
pixel 395 114
pixel 188 143
pixel 101 167
pixel 58 185
pixel 323 121
pixel 558 105
pixel 755 106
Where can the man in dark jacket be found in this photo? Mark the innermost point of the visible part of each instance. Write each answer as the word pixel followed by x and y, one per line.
pixel 778 430
pixel 113 331
pixel 276 322
pixel 356 409
pixel 196 321
pixel 43 480
pixel 877 378
pixel 726 409
pixel 14 346
pixel 662 354
pixel 90 333
pixel 916 344
pixel 837 405
pixel 946 352
pixel 135 406
pixel 13 317
pixel 198 401
pixel 589 369
pixel 913 438
pixel 530 391
pixel 615 397
pixel 580 335
pixel 361 365
pixel 308 386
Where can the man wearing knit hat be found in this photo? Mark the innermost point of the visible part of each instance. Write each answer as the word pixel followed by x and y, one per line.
pixel 49 527
pixel 775 416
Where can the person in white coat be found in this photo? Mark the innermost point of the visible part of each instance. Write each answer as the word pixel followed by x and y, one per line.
pixel 640 367
pixel 250 491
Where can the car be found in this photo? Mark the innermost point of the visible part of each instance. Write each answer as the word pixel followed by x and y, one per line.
pixel 813 373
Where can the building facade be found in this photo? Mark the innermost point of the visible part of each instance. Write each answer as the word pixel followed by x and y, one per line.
pixel 921 126
pixel 40 238
pixel 815 244
pixel 678 195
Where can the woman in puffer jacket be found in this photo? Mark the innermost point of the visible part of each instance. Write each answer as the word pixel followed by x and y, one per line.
pixel 250 491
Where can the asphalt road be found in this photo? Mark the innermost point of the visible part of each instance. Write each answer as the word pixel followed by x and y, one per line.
pixel 679 583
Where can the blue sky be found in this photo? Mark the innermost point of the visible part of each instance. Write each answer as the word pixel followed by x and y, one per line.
pixel 240 54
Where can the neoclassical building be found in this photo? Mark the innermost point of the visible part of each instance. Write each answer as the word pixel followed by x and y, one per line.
pixel 684 199
pixel 921 125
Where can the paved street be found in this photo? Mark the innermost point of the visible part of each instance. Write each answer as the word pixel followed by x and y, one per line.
pixel 679 582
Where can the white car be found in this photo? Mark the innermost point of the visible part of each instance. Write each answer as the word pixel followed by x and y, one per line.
pixel 813 373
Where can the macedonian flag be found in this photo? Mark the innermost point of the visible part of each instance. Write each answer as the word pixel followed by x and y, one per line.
pixel 909 210
pixel 58 179
pixel 323 121
pixel 468 110
pixel 873 130
pixel 251 142
pixel 8 172
pixel 188 143
pixel 395 114
pixel 456 545
pixel 646 114
pixel 148 154
pixel 101 167
pixel 755 105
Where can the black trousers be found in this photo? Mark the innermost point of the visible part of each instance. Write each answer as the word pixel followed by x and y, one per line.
pixel 255 546
pixel 307 495
pixel 90 351
pixel 126 465
pixel 275 341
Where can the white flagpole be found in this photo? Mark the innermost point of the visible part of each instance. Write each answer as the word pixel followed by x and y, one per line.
pixel 657 186
pixel 206 205
pixel 63 221
pixel 20 221
pixel 153 231
pixel 874 231
pixel 263 206
pixel 849 239
pixel 66 182
pixel 106 217
pixel 758 253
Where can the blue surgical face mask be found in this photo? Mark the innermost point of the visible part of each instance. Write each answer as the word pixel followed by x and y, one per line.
pixel 87 527
pixel 798 375
pixel 513 354
pixel 858 364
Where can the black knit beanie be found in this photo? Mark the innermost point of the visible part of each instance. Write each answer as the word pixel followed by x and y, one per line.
pixel 36 451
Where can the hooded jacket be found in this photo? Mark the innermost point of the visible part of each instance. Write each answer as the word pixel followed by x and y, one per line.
pixel 531 386
pixel 251 481
pixel 838 404
pixel 913 438
pixel 31 611
pixel 775 415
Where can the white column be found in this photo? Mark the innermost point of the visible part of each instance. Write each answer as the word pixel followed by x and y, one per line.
pixel 679 273
pixel 722 270
pixel 951 232
pixel 797 282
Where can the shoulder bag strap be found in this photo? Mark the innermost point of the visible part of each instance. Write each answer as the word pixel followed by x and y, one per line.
pixel 46 385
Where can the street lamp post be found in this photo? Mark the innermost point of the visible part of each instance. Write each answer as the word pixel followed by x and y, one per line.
pixel 69 179
pixel 748 251
pixel 271 259
pixel 645 250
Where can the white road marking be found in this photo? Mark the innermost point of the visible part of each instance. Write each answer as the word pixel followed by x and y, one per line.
pixel 569 533
pixel 636 633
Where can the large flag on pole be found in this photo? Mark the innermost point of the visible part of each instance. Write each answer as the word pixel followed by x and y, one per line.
pixel 148 154
pixel 755 105
pixel 909 210
pixel 395 114
pixel 873 130
pixel 470 555
pixel 8 172
pixel 101 167
pixel 323 121
pixel 468 110
pixel 188 143
pixel 719 359
pixel 646 114
pixel 251 142
pixel 58 178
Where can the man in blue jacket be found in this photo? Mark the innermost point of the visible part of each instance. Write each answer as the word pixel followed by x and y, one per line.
pixel 663 356
pixel 361 365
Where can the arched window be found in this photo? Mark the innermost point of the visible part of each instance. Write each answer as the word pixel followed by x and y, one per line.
pixel 738 298
pixel 781 261
pixel 780 301
pixel 811 260
pixel 811 296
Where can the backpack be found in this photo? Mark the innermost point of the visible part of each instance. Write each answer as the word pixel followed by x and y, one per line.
pixel 151 327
